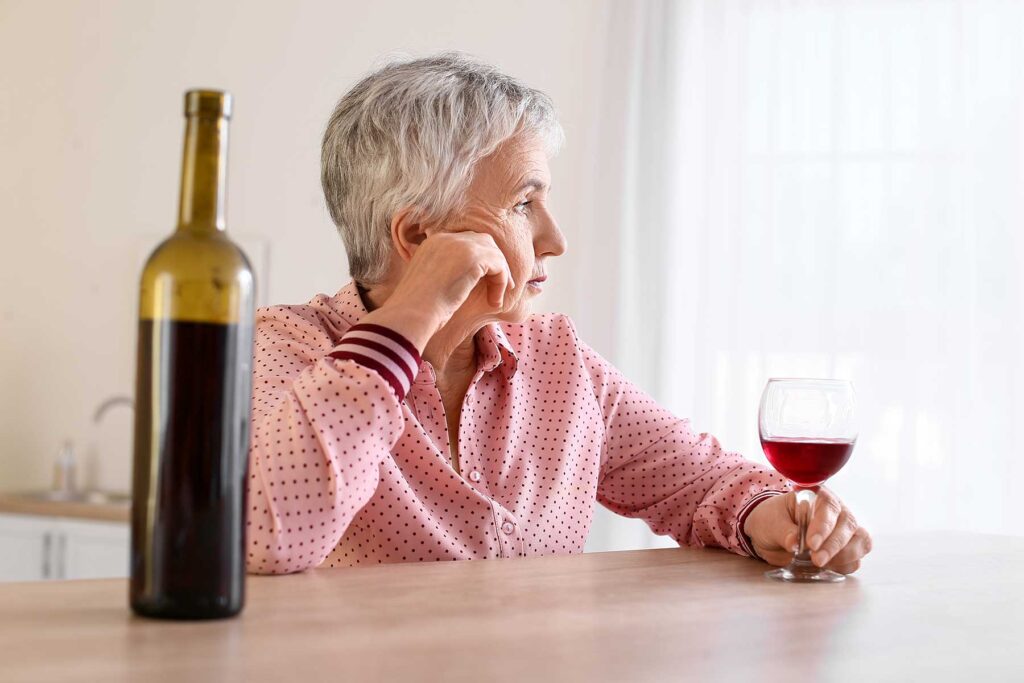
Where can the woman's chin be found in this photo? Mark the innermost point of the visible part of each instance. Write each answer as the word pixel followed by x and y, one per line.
pixel 518 314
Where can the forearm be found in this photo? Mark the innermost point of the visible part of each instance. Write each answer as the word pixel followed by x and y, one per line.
pixel 316 451
pixel 687 486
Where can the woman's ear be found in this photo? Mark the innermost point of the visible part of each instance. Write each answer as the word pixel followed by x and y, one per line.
pixel 407 232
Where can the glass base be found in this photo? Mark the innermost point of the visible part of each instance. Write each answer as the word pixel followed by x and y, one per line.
pixel 799 571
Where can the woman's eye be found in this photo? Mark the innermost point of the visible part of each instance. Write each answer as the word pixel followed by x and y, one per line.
pixel 521 206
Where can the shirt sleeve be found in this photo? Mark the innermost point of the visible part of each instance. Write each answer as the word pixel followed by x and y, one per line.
pixel 656 467
pixel 323 419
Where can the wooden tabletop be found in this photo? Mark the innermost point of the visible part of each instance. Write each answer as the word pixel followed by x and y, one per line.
pixel 945 606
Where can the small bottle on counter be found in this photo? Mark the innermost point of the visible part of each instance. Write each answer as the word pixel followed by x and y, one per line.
pixel 64 471
pixel 193 394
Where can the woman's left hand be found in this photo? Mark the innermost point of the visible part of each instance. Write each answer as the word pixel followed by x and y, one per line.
pixel 833 535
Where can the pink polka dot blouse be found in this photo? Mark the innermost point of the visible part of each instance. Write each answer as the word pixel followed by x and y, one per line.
pixel 349 459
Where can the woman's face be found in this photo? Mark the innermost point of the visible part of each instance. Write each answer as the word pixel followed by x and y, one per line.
pixel 507 200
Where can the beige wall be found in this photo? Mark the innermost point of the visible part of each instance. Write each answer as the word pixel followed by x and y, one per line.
pixel 90 135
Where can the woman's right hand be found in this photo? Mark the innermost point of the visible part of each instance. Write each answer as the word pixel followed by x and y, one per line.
pixel 449 271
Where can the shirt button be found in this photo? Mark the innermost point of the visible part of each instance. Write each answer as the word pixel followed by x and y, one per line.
pixel 508 528
pixel 474 475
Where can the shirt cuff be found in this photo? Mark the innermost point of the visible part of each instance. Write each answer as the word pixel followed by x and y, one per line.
pixel 746 545
pixel 382 350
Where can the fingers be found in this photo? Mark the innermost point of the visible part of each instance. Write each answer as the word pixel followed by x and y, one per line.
pixel 495 282
pixel 498 280
pixel 784 529
pixel 788 531
pixel 827 508
pixel 850 555
pixel 841 534
pixel 835 539
pixel 776 558
pixel 494 268
pixel 792 541
pixel 846 568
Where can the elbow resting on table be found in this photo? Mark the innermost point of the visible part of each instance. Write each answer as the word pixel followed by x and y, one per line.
pixel 268 555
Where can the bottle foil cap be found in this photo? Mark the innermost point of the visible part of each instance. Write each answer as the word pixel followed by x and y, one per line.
pixel 208 103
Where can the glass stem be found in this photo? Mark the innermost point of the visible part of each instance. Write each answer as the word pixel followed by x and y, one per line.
pixel 804 507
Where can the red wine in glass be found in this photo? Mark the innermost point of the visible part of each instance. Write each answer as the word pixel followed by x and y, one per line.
pixel 807 462
pixel 808 431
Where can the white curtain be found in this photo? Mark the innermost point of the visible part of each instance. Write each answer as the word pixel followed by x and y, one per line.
pixel 827 188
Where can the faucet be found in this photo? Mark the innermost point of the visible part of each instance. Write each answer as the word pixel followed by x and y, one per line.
pixel 110 403
pixel 101 411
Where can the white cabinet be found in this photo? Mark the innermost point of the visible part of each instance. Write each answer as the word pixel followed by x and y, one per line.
pixel 93 550
pixel 33 548
pixel 26 547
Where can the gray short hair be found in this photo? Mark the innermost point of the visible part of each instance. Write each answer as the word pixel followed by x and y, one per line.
pixel 409 135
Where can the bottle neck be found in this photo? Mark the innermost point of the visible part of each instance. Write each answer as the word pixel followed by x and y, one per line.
pixel 204 169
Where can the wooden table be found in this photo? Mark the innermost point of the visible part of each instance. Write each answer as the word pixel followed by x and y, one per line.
pixel 936 606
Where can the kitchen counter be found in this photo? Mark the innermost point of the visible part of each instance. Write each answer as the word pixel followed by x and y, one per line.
pixel 27 504
pixel 947 606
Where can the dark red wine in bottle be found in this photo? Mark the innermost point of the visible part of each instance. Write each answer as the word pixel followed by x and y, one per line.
pixel 192 399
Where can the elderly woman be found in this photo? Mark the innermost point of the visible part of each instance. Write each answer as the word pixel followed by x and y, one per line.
pixel 423 413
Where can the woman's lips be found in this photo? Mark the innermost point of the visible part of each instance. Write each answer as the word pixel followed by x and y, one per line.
pixel 536 282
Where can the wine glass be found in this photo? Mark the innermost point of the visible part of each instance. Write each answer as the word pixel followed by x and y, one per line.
pixel 808 431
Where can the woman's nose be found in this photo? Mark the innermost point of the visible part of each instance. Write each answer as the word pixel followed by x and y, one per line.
pixel 550 241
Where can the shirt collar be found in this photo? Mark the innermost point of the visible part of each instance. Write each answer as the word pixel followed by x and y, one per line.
pixel 348 304
pixel 494 351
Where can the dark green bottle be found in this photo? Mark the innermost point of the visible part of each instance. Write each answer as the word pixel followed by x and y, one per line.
pixel 192 397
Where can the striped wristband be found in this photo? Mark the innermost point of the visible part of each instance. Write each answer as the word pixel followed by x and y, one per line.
pixel 382 350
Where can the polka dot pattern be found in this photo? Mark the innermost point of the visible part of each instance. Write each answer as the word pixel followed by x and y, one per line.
pixel 344 470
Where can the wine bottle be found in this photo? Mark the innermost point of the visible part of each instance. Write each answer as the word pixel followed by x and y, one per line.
pixel 192 399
